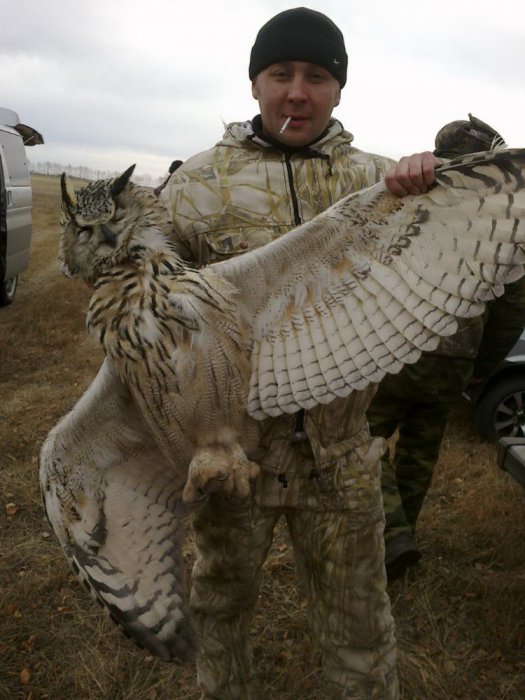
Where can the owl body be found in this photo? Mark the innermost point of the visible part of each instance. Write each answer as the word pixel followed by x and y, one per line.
pixel 173 334
pixel 159 323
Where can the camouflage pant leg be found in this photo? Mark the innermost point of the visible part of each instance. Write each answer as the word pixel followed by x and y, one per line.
pixel 395 517
pixel 417 402
pixel 341 565
pixel 406 478
pixel 232 543
pixel 416 454
pixel 384 415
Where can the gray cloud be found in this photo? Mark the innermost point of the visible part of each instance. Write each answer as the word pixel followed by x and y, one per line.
pixel 114 80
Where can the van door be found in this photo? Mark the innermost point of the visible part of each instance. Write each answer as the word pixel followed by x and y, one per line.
pixel 18 204
pixel 3 221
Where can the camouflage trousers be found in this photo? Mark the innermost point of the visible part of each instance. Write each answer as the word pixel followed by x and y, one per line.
pixel 416 403
pixel 339 554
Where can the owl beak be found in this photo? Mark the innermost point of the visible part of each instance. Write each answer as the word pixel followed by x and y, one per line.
pixel 64 269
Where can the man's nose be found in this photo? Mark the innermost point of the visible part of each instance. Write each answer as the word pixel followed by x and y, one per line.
pixel 297 91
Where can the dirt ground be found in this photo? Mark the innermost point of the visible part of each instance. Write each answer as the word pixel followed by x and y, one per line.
pixel 460 616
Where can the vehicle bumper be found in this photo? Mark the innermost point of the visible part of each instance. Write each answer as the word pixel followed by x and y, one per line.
pixel 511 457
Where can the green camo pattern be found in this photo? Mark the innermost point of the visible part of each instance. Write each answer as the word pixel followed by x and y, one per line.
pixel 416 402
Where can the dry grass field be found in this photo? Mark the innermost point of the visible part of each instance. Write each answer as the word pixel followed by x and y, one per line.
pixel 460 615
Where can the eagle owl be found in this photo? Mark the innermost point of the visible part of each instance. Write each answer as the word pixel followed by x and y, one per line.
pixel 196 358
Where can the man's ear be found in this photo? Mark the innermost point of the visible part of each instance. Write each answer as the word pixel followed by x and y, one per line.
pixel 338 98
pixel 255 91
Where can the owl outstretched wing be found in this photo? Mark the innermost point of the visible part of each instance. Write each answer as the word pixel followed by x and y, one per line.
pixel 373 281
pixel 116 507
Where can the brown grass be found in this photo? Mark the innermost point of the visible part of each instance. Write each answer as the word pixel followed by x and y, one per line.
pixel 460 615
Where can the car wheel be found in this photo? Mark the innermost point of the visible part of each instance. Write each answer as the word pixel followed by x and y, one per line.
pixel 8 290
pixel 500 412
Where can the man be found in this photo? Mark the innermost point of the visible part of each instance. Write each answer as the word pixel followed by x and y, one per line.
pixel 321 470
pixel 417 401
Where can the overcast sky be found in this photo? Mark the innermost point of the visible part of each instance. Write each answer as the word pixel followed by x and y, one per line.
pixel 114 82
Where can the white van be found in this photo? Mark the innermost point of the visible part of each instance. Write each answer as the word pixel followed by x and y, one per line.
pixel 15 201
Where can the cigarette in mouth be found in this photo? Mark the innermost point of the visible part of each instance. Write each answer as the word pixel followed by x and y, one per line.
pixel 285 125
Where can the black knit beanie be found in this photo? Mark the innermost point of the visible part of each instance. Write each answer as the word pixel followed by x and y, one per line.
pixel 300 35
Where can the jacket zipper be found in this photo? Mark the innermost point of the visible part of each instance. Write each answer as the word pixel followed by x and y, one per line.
pixel 293 193
pixel 298 432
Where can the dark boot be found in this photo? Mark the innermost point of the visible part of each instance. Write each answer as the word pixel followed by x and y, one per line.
pixel 401 552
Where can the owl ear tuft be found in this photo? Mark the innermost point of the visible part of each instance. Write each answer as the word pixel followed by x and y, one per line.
pixel 69 198
pixel 121 181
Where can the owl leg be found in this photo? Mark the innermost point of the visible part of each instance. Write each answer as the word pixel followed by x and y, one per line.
pixel 220 467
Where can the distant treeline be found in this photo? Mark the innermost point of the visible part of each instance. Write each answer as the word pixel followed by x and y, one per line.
pixel 81 172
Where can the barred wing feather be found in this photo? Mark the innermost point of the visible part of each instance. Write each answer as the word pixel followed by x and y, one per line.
pixel 115 505
pixel 373 281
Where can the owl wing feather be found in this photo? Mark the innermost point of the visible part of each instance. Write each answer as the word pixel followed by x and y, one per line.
pixel 116 507
pixel 373 281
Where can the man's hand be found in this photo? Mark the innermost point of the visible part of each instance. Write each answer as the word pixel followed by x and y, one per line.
pixel 412 175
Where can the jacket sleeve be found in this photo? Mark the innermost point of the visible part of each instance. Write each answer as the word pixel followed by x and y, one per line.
pixel 193 198
pixel 504 324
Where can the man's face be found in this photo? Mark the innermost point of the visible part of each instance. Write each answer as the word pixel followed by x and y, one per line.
pixel 303 91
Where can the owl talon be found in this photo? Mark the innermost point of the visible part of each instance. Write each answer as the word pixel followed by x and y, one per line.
pixel 219 468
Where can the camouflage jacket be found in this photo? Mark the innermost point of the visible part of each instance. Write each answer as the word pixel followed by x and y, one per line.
pixel 245 192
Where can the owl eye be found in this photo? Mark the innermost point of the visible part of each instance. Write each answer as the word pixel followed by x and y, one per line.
pixel 85 229
pixel 108 235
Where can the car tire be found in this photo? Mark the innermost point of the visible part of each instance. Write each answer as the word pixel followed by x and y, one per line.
pixel 8 290
pixel 500 412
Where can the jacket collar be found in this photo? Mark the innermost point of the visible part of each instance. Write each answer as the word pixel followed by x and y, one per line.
pixel 249 133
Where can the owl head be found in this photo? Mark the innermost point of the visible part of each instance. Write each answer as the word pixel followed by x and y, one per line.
pixel 97 221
